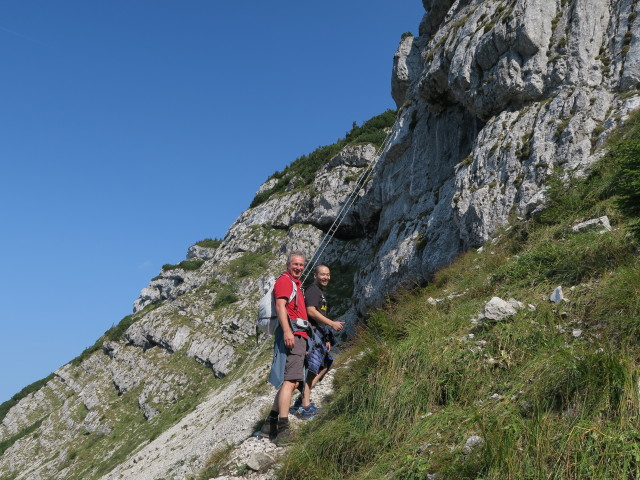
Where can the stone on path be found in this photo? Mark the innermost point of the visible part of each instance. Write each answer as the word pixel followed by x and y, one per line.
pixel 259 461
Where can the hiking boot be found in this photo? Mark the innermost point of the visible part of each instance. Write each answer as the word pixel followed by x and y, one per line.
pixel 285 436
pixel 269 427
pixel 307 413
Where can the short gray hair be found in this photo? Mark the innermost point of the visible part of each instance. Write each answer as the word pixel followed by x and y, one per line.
pixel 296 254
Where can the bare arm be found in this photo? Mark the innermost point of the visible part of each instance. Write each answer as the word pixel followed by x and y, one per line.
pixel 283 318
pixel 315 314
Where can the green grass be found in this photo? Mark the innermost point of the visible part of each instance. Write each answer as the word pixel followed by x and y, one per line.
pixel 226 295
pixel 210 243
pixel 215 462
pixel 34 387
pixel 5 444
pixel 552 391
pixel 627 151
pixel 188 265
pixel 248 264
pixel 113 334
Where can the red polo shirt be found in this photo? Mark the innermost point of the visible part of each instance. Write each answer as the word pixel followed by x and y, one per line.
pixel 295 308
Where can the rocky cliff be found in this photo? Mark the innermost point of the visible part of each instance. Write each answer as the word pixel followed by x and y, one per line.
pixel 493 97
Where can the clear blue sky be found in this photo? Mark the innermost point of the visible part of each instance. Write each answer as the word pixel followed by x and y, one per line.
pixel 130 130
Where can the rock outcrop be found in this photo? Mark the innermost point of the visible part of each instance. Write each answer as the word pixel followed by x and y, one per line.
pixel 493 97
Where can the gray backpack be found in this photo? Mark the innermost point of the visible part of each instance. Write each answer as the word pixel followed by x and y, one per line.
pixel 267 320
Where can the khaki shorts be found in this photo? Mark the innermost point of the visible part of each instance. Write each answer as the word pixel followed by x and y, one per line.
pixel 294 366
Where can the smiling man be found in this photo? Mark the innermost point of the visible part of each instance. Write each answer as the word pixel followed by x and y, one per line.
pixel 319 361
pixel 289 349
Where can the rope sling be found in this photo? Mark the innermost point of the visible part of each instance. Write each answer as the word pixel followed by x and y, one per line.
pixel 351 199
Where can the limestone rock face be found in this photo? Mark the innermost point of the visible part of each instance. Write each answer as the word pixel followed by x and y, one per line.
pixel 406 63
pixel 168 285
pixel 333 184
pixel 196 251
pixel 503 96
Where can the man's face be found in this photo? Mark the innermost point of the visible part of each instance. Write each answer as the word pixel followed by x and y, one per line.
pixel 322 276
pixel 295 266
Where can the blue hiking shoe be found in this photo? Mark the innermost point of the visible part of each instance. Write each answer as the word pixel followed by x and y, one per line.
pixel 307 413
pixel 296 405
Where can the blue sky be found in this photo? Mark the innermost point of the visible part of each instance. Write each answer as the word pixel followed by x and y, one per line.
pixel 130 130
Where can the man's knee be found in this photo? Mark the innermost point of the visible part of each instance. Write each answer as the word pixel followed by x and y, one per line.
pixel 289 385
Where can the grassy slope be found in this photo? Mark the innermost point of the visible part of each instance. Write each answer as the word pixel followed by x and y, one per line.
pixel 552 392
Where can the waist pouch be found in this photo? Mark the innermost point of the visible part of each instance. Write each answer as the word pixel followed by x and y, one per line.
pixel 299 324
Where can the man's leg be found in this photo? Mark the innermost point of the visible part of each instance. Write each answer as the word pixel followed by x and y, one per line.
pixel 293 374
pixel 270 425
pixel 318 377
pixel 283 398
pixel 308 385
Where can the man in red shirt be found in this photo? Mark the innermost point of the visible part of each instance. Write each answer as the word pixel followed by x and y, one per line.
pixel 290 347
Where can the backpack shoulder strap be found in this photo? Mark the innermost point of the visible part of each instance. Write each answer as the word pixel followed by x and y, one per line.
pixel 294 292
